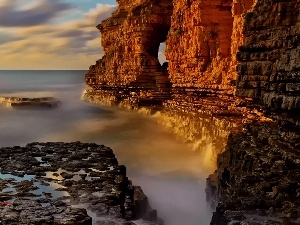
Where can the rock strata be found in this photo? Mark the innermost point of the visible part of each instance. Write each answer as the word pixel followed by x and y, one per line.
pixel 259 175
pixel 234 59
pixel 131 39
pixel 202 42
pixel 202 39
pixel 269 68
pixel 19 103
pixel 68 183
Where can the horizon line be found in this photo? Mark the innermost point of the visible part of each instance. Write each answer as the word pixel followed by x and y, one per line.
pixel 41 69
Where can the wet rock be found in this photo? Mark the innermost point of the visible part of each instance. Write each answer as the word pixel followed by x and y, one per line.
pixel 256 185
pixel 74 216
pixel 66 191
pixel 66 175
pixel 18 102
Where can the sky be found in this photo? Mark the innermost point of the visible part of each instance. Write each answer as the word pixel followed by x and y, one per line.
pixel 51 34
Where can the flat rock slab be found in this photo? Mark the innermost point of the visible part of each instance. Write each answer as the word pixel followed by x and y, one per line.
pixel 68 183
pixel 18 102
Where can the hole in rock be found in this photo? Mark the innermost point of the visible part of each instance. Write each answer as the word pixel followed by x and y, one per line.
pixel 156 40
pixel 161 53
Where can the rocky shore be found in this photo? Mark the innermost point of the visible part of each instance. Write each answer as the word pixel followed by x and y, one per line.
pixel 69 183
pixel 259 176
pixel 20 103
pixel 235 60
pixel 259 171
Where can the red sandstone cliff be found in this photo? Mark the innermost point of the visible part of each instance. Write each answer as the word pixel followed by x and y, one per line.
pixel 259 170
pixel 131 38
pixel 201 38
pixel 206 41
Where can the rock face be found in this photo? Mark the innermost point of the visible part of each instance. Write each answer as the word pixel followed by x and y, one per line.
pixel 259 171
pixel 19 103
pixel 131 38
pixel 201 43
pixel 231 58
pixel 68 183
pixel 259 176
pixel 203 40
pixel 269 70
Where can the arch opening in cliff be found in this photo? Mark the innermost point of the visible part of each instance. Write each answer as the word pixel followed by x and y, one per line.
pixel 156 39
pixel 131 39
pixel 161 53
pixel 155 49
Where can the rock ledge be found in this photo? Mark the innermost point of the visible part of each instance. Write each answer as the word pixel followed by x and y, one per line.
pixel 68 183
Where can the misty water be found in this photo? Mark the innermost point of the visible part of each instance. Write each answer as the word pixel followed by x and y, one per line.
pixel 170 173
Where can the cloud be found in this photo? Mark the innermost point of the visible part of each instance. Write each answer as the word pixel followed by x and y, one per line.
pixel 100 13
pixel 39 13
pixel 6 38
pixel 77 42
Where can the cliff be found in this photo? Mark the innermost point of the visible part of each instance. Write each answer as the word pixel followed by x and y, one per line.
pixel 269 68
pixel 236 60
pixel 201 44
pixel 203 40
pixel 259 170
pixel 259 176
pixel 131 38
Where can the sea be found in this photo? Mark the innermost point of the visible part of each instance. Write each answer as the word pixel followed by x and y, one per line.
pixel 170 173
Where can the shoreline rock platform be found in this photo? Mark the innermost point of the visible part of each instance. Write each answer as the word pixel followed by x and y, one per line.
pixel 69 183
pixel 20 102
pixel 235 59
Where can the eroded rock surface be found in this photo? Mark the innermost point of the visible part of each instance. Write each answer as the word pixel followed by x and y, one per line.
pixel 269 70
pixel 68 183
pixel 201 43
pixel 19 103
pixel 131 38
pixel 259 171
pixel 259 175
pixel 203 40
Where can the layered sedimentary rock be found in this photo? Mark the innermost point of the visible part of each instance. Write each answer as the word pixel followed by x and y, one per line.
pixel 239 9
pixel 131 38
pixel 203 40
pixel 68 183
pixel 201 43
pixel 259 176
pixel 269 70
pixel 259 171
pixel 17 102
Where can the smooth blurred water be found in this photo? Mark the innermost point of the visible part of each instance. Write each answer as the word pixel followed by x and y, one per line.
pixel 170 173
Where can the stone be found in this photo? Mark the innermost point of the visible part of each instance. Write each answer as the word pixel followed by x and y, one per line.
pixel 259 178
pixel 131 38
pixel 202 39
pixel 61 195
pixel 19 103
pixel 229 60
pixel 203 54
pixel 273 35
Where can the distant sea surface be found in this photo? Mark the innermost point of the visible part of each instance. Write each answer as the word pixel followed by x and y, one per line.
pixel 170 173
